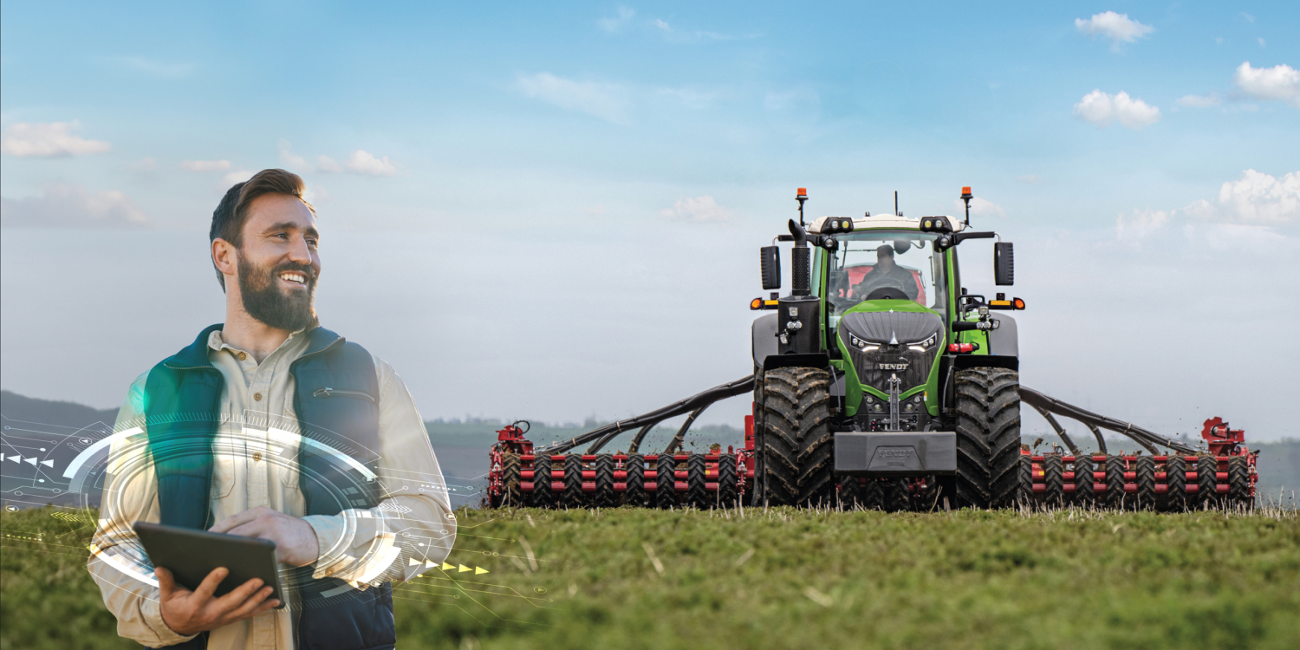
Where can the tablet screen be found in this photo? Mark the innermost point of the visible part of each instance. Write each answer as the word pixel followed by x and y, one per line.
pixel 192 554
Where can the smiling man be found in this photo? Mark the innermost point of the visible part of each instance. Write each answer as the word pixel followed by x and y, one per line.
pixel 273 427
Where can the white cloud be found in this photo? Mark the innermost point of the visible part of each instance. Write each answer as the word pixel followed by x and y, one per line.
pixel 1249 18
pixel 1262 43
pixel 328 165
pixel 70 206
pixel 205 165
pixel 291 159
pixel 157 68
pixel 698 209
pixel 49 140
pixel 1102 108
pixel 616 23
pixel 1280 82
pixel 1116 27
pixel 606 101
pixel 1246 210
pixel 979 208
pixel 237 176
pixel 364 163
pixel 662 25
pixel 1200 101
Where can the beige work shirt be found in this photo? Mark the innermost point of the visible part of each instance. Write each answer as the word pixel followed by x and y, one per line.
pixel 411 530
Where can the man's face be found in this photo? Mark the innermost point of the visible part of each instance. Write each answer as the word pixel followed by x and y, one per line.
pixel 885 262
pixel 278 262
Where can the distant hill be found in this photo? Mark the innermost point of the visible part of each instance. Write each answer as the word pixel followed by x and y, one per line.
pixel 51 412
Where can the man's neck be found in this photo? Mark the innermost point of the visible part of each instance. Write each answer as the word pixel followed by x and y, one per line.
pixel 250 335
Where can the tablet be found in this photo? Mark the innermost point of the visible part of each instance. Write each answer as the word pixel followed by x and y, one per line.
pixel 192 554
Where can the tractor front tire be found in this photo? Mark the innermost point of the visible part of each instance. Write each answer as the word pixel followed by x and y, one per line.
pixel 988 437
pixel 796 453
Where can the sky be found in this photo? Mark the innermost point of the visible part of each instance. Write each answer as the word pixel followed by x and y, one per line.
pixel 551 210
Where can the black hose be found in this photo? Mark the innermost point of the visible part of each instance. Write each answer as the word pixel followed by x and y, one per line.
pixel 681 433
pixel 1094 421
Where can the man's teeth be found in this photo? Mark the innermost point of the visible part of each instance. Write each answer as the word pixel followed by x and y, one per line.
pixel 293 277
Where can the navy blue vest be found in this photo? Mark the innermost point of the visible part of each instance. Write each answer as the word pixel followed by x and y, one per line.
pixel 182 409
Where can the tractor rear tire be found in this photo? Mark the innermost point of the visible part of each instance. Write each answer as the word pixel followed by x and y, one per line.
pixel 726 494
pixel 1115 498
pixel 796 453
pixel 1175 496
pixel 898 495
pixel 1053 481
pixel 665 481
pixel 542 496
pixel 988 437
pixel 1145 477
pixel 1085 496
pixel 697 494
pixel 1207 483
pixel 573 496
pixel 512 497
pixel 1239 483
pixel 634 492
pixel 605 496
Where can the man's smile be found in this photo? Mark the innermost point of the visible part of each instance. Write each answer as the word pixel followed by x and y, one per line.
pixel 294 278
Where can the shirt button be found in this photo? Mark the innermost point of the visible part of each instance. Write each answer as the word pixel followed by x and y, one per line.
pixel 242 356
pixel 257 397
pixel 257 455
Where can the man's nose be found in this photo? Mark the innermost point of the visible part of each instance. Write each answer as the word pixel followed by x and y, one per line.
pixel 300 252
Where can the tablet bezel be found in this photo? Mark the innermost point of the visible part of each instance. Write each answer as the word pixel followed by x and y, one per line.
pixel 192 554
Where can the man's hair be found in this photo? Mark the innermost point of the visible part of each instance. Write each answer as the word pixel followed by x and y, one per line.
pixel 231 214
pixel 884 250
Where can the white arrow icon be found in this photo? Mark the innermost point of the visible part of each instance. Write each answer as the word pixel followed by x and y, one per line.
pixel 30 461
pixel 48 463
pixel 16 459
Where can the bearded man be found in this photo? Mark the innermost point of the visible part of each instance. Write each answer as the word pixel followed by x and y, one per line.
pixel 273 427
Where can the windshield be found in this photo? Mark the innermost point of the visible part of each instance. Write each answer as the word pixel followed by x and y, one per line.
pixel 874 265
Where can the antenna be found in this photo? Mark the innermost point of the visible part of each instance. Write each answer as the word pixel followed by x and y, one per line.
pixel 895 201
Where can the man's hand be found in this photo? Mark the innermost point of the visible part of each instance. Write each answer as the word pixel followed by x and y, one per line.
pixel 295 539
pixel 190 612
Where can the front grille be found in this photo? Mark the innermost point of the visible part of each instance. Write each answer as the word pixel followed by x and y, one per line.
pixel 891 331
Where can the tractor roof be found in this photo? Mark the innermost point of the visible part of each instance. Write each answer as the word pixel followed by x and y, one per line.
pixel 884 222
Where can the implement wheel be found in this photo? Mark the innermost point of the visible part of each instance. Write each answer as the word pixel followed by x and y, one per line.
pixel 1145 469
pixel 1207 484
pixel 573 496
pixel 988 437
pixel 1084 494
pixel 1024 495
pixel 795 442
pixel 849 492
pixel 1239 483
pixel 898 495
pixel 634 495
pixel 697 494
pixel 541 496
pixel 1175 496
pixel 665 481
pixel 727 491
pixel 513 498
pixel 926 496
pixel 605 496
pixel 1115 497
pixel 1053 481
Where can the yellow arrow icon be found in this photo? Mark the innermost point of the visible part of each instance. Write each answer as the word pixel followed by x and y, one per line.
pixel 478 571
pixel 463 568
pixel 447 567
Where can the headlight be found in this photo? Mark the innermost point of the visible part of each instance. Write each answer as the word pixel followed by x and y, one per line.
pixel 922 346
pixel 865 346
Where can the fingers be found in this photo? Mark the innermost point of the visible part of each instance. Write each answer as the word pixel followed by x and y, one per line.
pixel 250 606
pixel 257 528
pixel 166 584
pixel 232 600
pixel 225 525
pixel 209 584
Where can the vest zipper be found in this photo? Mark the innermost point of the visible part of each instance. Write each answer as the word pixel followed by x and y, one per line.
pixel 331 392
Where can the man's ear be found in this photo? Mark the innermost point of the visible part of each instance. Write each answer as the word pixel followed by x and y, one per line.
pixel 225 257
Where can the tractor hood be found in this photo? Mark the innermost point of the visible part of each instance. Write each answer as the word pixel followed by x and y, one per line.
pixel 880 344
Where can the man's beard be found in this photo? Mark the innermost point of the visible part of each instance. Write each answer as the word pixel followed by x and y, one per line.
pixel 264 300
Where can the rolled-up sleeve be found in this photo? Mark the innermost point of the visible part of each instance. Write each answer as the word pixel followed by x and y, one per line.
pixel 117 560
pixel 413 527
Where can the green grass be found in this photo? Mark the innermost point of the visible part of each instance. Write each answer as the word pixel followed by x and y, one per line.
pixel 790 579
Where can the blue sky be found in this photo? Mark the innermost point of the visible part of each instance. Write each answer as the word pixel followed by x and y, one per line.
pixel 517 160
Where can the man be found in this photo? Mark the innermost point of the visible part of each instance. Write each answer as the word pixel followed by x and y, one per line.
pixel 886 274
pixel 273 427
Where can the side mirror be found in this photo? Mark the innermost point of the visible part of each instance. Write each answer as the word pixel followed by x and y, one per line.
pixel 771 260
pixel 1004 264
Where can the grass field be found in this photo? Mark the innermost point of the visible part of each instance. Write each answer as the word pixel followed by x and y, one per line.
pixel 782 579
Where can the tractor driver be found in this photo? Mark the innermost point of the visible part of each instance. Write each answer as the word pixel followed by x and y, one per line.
pixel 886 274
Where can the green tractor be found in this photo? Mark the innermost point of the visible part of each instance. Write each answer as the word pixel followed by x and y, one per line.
pixel 880 381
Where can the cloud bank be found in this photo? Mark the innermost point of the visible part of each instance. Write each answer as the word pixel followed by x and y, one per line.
pixel 1280 82
pixel 1247 212
pixel 1102 109
pixel 71 206
pixel 49 140
pixel 1119 28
